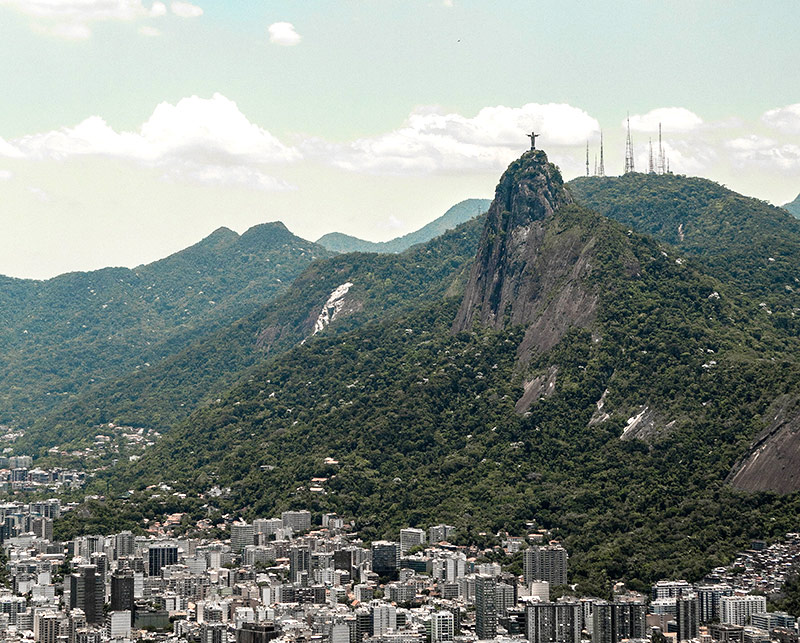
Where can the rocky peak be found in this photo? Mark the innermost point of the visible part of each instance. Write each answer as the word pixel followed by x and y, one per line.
pixel 530 267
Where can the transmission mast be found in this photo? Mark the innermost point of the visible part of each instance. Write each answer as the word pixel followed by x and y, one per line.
pixel 602 169
pixel 661 164
pixel 650 166
pixel 587 158
pixel 629 150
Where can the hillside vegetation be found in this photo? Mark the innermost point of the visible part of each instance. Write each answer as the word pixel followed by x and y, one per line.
pixel 425 422
pixel 166 392
pixel 745 242
pixel 62 336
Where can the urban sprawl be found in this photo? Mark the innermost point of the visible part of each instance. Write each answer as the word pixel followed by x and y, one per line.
pixel 298 580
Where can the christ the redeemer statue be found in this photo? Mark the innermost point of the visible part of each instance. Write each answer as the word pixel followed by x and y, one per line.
pixel 533 136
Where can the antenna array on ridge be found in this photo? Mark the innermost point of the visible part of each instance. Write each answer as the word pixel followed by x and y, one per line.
pixel 629 150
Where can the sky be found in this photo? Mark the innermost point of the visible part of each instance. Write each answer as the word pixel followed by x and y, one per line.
pixel 131 129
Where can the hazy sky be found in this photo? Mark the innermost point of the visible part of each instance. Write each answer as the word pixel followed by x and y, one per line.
pixel 130 128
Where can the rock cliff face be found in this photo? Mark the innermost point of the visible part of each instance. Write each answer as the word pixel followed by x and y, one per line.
pixel 530 270
pixel 773 461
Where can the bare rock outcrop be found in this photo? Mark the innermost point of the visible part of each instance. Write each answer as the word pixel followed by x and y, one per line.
pixel 530 271
pixel 772 463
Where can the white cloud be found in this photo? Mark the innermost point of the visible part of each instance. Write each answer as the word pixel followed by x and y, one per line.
pixel 284 34
pixel 751 143
pixel 150 32
pixel 80 10
pixel 230 175
pixel 764 153
pixel 205 140
pixel 5 175
pixel 40 194
pixel 786 119
pixel 65 30
pixel 8 150
pixel 186 10
pixel 674 119
pixel 72 19
pixel 431 141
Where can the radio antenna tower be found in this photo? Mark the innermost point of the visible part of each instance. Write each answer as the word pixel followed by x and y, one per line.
pixel 661 165
pixel 650 167
pixel 602 170
pixel 629 150
pixel 587 158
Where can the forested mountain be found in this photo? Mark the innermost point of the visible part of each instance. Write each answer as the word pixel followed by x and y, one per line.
pixel 794 207
pixel 166 392
pixel 587 377
pixel 63 335
pixel 746 242
pixel 458 214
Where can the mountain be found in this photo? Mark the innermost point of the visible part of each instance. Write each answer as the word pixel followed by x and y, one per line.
pixel 743 241
pixel 459 213
pixel 794 207
pixel 63 335
pixel 586 376
pixel 518 268
pixel 166 392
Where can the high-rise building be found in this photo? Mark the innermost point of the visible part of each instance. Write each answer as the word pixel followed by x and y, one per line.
pixel 340 633
pixel 438 533
pixel 42 527
pixel 613 622
pixel 118 624
pixel 344 559
pixel 547 563
pixel 47 626
pixel 485 606
pixel 505 596
pixel 213 633
pixel 384 618
pixel 411 537
pixel 385 557
pixel 122 598
pixel 100 560
pixel 86 593
pixel 771 620
pixel 554 622
pixel 267 526
pixel 687 616
pixel 160 555
pixel 442 626
pixel 47 508
pixel 297 520
pixel 670 588
pixel 709 597
pixel 241 536
pixel 737 610
pixel 299 561
pixel 124 544
pixel 261 633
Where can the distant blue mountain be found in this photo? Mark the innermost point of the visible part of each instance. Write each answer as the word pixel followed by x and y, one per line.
pixel 794 207
pixel 458 214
